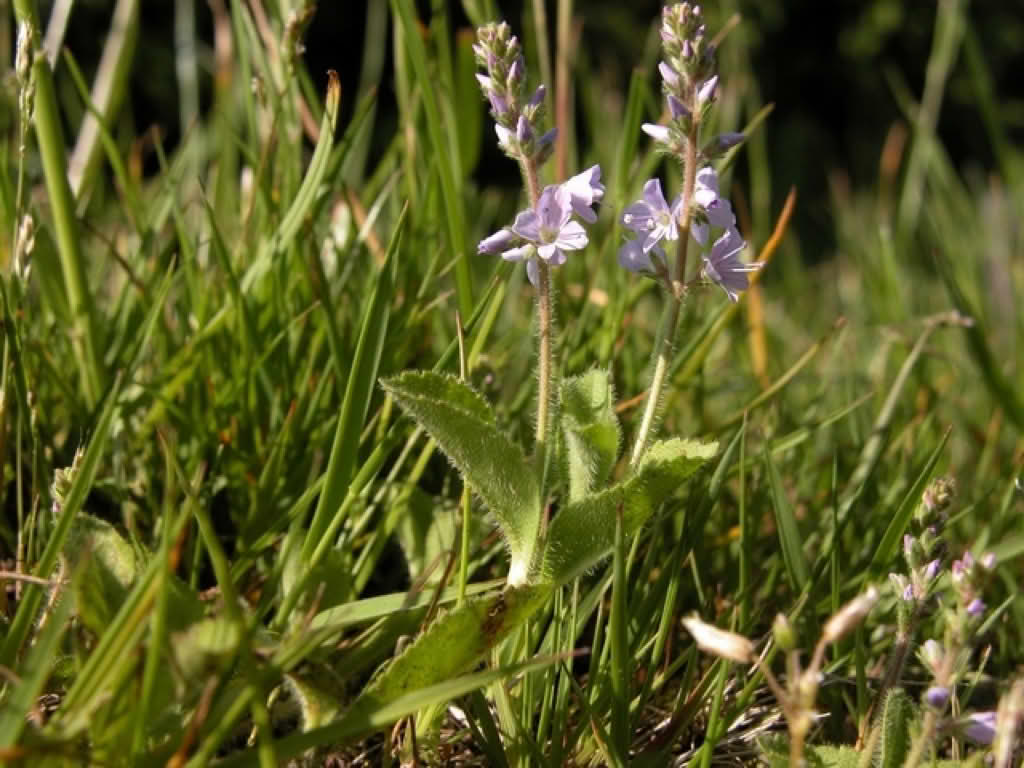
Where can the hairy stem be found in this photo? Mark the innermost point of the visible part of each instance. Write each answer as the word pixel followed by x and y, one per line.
pixel 663 346
pixel 544 323
pixel 665 342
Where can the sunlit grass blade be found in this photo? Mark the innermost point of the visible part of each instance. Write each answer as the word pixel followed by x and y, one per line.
pixel 84 477
pixel 793 554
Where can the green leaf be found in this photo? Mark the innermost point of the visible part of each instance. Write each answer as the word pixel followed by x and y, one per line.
pixel 583 533
pixel 893 536
pixel 205 646
pixel 84 477
pixel 317 707
pixel 105 568
pixel 591 431
pixel 358 392
pixel 894 721
pixel 452 644
pixel 359 722
pixel 462 423
pixel 32 675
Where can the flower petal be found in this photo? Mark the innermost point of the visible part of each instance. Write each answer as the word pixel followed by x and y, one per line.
pixel 532 271
pixel 572 237
pixel 527 225
pixel 633 257
pixel 654 197
pixel 520 253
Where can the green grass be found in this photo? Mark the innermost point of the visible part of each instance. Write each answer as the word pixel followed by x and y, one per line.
pixel 251 528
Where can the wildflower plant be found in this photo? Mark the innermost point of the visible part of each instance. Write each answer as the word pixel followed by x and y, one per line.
pixel 577 433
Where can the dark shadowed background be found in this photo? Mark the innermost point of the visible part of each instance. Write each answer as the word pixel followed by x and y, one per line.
pixel 830 68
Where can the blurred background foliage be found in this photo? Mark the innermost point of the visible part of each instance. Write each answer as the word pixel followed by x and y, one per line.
pixel 831 70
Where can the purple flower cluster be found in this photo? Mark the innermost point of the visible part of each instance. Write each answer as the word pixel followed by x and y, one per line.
pixel 517 113
pixel 547 231
pixel 968 577
pixel 653 219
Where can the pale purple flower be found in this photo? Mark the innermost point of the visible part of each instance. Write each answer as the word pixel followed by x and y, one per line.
pixel 976 607
pixel 717 210
pixel 586 189
pixel 723 265
pixel 981 727
pixel 932 570
pixel 988 561
pixel 652 217
pixel 548 230
pixel 656 132
pixel 538 95
pixel 633 257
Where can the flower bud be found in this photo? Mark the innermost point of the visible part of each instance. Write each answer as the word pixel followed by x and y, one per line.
pixel 669 75
pixel 711 639
pixel 677 108
pixel 937 696
pixel 783 633
pixel 706 92
pixel 849 616
pixel 538 96
pixel 932 654
pixel 523 131
pixel 501 240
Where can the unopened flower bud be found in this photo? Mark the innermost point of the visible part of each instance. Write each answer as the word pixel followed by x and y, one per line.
pixel 706 92
pixel 975 608
pixel 523 131
pixel 677 108
pixel 516 73
pixel 849 616
pixel 656 132
pixel 500 241
pixel 938 496
pixel 711 639
pixel 988 561
pixel 932 654
pixel 538 96
pixel 937 696
pixel 783 633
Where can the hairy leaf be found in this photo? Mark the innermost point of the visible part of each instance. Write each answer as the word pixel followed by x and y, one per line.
pixel 462 423
pixel 583 532
pixel 591 431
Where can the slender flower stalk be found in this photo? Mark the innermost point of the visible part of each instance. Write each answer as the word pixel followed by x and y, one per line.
pixel 544 233
pixel 690 85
